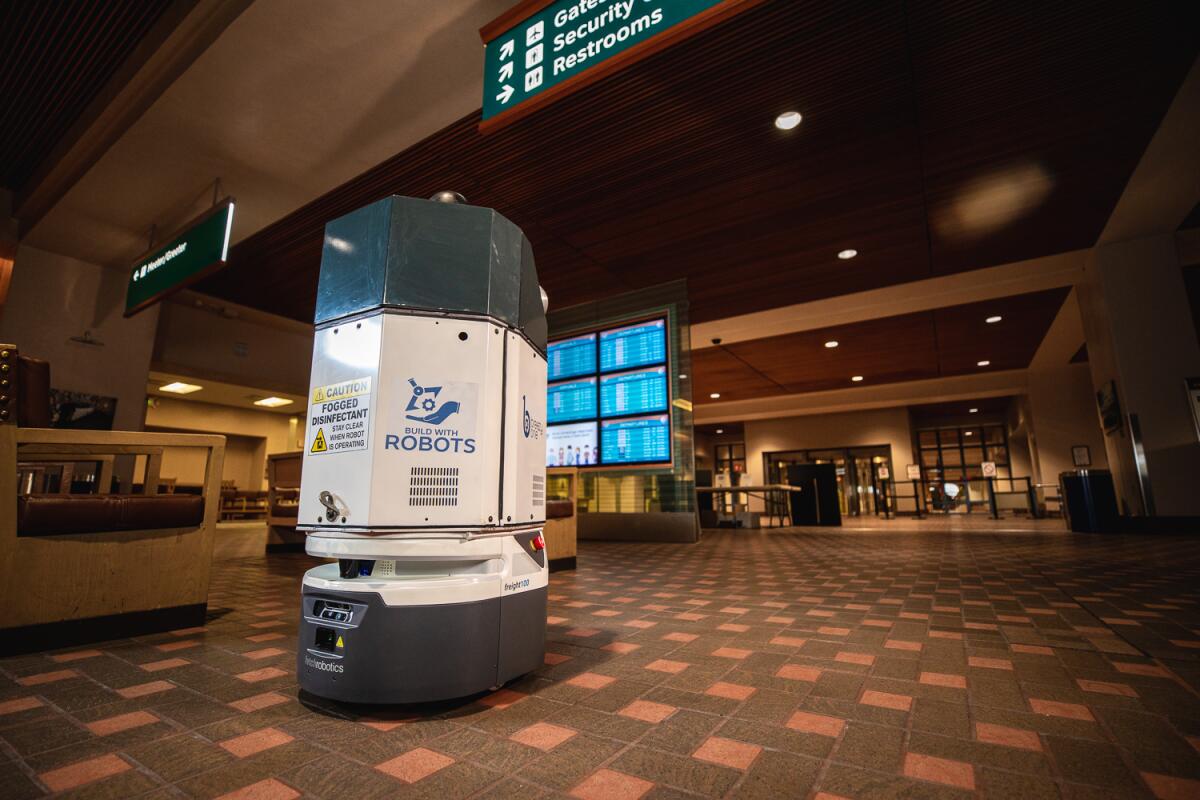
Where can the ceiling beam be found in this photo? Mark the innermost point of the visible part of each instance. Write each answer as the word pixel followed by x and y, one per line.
pixel 1021 277
pixel 183 33
pixel 1165 186
pixel 937 390
pixel 1063 339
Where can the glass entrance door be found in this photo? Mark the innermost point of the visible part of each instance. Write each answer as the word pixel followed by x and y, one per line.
pixel 860 490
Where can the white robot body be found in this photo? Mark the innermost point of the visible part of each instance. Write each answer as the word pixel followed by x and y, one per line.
pixel 419 422
pixel 424 460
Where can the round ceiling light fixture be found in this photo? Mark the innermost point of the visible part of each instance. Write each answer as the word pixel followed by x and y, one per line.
pixel 788 120
pixel 984 363
pixel 832 343
pixel 720 431
pixel 972 410
pixel 715 395
pixel 847 254
pixel 857 378
pixel 993 320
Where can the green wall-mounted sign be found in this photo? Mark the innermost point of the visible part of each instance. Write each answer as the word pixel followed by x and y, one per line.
pixel 568 39
pixel 196 252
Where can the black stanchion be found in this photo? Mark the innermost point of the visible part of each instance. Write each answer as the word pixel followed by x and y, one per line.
pixel 991 484
pixel 918 498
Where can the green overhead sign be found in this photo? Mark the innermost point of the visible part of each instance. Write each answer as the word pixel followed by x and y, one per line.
pixel 198 251
pixel 571 37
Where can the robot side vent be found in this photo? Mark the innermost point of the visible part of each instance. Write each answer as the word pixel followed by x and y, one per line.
pixel 539 490
pixel 433 486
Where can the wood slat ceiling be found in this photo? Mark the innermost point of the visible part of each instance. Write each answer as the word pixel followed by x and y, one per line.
pixel 928 344
pixel 55 58
pixel 938 137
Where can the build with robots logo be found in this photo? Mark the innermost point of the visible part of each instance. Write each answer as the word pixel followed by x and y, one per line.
pixel 423 405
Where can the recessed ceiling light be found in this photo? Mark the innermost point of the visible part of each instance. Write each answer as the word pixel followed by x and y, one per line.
pixel 832 343
pixel 973 410
pixel 846 255
pixel 715 395
pixel 968 433
pixel 984 363
pixel 272 402
pixel 993 320
pixel 857 378
pixel 178 387
pixel 720 430
pixel 788 120
pixel 682 376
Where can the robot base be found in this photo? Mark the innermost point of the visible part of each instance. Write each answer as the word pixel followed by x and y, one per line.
pixel 354 647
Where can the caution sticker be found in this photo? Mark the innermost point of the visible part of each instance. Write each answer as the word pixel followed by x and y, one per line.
pixel 339 416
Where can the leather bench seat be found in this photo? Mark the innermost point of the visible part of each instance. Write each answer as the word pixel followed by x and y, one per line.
pixel 41 515
pixel 559 509
pixel 285 510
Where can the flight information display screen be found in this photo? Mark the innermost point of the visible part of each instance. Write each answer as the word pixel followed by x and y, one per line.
pixel 633 346
pixel 638 392
pixel 609 397
pixel 641 440
pixel 571 400
pixel 569 358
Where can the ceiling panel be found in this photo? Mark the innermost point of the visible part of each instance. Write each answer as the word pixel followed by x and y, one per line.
pixel 55 58
pixel 929 344
pixel 938 137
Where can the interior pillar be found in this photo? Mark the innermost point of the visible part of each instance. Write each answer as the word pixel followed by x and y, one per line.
pixel 1141 337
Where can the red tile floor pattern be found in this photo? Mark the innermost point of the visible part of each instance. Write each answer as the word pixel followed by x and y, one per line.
pixel 806 664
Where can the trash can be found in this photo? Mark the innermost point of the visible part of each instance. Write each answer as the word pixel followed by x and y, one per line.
pixel 1089 501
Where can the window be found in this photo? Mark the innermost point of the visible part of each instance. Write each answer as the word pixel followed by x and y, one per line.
pixel 957 453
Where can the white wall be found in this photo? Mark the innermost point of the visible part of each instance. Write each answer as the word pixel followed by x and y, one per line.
pixel 53 298
pixel 888 426
pixel 254 349
pixel 1064 415
pixel 253 435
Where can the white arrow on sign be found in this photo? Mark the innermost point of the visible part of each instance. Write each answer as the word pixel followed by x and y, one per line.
pixel 506 71
pixel 506 50
pixel 506 94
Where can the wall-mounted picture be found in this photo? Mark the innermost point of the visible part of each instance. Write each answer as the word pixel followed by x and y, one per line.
pixel 81 411
pixel 1109 407
pixel 1081 455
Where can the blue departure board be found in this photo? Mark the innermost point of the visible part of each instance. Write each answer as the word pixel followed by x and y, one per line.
pixel 571 400
pixel 644 440
pixel 637 392
pixel 633 346
pixel 569 358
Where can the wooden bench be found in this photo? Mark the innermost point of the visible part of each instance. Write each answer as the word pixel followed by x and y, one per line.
pixel 86 567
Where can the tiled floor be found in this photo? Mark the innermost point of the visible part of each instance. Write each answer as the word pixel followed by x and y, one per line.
pixel 816 664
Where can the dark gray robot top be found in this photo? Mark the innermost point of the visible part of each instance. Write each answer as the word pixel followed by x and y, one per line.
pixel 423 255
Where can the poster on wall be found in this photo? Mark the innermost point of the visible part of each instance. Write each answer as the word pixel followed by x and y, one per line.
pixel 571 445
pixel 1109 407
pixel 81 411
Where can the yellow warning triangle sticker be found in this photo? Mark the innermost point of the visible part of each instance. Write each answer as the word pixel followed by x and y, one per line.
pixel 339 644
pixel 318 445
